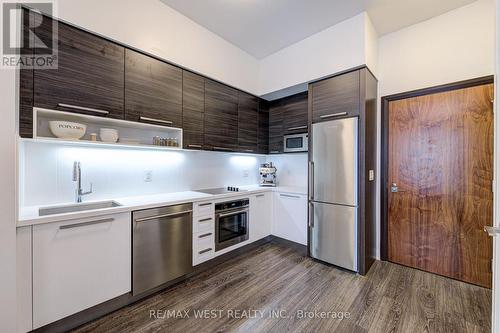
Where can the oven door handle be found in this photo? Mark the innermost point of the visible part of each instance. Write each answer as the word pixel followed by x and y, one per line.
pixel 232 213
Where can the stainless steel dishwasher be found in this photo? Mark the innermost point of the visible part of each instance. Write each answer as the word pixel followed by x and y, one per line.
pixel 162 246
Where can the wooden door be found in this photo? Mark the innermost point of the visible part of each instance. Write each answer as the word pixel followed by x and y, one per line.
pixel 89 74
pixel 153 90
pixel 193 110
pixel 276 128
pixel 221 117
pixel 263 127
pixel 441 159
pixel 248 123
pixel 296 113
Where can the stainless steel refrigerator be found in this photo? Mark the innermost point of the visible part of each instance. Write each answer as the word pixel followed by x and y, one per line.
pixel 333 197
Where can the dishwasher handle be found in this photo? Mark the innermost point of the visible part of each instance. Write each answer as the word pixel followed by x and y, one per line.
pixel 149 218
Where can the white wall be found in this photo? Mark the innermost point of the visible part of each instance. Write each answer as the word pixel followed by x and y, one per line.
pixel 332 50
pixel 8 201
pixel 455 46
pixel 371 46
pixel 154 27
pixel 120 172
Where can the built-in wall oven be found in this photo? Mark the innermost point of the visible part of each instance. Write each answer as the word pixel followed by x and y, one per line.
pixel 231 223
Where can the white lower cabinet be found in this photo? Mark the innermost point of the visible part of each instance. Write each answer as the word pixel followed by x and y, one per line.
pixel 261 215
pixel 290 217
pixel 78 264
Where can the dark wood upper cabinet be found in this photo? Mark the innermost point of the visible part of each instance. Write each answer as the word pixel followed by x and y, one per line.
pixel 221 117
pixel 263 140
pixel 153 90
pixel 336 97
pixel 193 110
pixel 275 127
pixel 89 73
pixel 295 114
pixel 248 123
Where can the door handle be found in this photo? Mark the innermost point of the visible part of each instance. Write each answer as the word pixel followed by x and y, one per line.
pixel 492 231
pixel 82 108
pixel 311 180
pixel 311 215
pixel 154 120
pixel 395 188
pixel 84 224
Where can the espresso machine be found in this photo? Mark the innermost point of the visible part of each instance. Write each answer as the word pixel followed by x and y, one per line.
pixel 267 173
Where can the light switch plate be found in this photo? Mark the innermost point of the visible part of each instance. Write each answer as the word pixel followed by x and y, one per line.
pixel 371 175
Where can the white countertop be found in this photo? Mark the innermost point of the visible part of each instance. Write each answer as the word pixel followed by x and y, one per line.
pixel 29 215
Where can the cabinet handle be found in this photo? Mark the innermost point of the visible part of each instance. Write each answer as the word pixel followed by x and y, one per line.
pixel 82 108
pixel 297 128
pixel 205 235
pixel 84 224
pixel 248 150
pixel 222 148
pixel 274 152
pixel 290 196
pixel 205 204
pixel 205 251
pixel 149 218
pixel 167 122
pixel 260 195
pixel 333 115
pixel 194 146
pixel 205 220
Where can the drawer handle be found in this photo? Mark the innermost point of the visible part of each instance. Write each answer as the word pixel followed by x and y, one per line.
pixel 194 146
pixel 248 150
pixel 82 108
pixel 290 196
pixel 167 122
pixel 260 195
pixel 144 219
pixel 222 148
pixel 333 115
pixel 205 235
pixel 205 251
pixel 297 128
pixel 84 224
pixel 205 220
pixel 204 204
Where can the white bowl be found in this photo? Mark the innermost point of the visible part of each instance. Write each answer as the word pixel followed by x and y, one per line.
pixel 67 129
pixel 109 136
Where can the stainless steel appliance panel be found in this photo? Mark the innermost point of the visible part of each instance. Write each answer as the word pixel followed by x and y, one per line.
pixel 335 162
pixel 334 234
pixel 295 143
pixel 162 246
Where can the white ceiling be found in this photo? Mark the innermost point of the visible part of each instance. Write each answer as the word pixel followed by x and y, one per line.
pixel 262 27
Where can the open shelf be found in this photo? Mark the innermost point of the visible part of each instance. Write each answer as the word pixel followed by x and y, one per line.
pixel 142 133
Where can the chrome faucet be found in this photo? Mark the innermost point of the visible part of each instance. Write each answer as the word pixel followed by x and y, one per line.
pixel 77 177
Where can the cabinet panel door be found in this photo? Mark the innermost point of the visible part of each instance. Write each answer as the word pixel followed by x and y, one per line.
pixel 263 142
pixel 336 97
pixel 221 117
pixel 89 74
pixel 153 90
pixel 248 123
pixel 79 264
pixel 295 114
pixel 193 110
pixel 261 215
pixel 290 217
pixel 275 128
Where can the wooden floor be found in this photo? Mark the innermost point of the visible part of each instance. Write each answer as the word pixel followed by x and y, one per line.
pixel 391 298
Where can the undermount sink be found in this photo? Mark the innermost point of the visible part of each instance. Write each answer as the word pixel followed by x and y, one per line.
pixel 77 207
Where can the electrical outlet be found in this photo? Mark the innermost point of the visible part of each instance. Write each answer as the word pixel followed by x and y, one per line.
pixel 245 173
pixel 148 176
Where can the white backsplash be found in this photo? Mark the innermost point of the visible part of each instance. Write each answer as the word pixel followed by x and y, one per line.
pixel 46 171
pixel 292 169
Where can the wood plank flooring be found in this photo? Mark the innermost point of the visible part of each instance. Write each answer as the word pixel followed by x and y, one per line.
pixel 391 298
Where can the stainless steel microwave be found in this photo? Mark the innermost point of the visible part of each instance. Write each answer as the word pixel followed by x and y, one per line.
pixel 295 143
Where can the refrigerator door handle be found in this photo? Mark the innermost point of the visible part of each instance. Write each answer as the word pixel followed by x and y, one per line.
pixel 311 180
pixel 311 215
